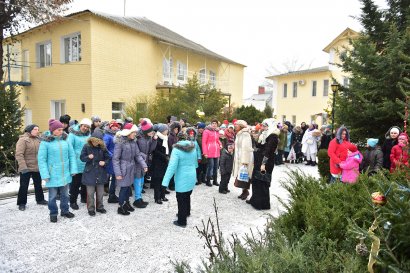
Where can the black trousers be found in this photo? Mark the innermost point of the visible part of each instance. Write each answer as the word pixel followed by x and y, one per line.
pixel 201 172
pixel 184 206
pixel 75 189
pixel 159 190
pixel 24 183
pixel 224 181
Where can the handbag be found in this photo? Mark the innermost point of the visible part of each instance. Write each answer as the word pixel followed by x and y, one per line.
pixel 309 141
pixel 262 176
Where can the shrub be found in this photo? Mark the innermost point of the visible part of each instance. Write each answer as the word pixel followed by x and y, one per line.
pixel 323 164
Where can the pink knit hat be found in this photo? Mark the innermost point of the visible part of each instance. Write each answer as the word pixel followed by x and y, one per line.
pixel 54 124
pixel 146 127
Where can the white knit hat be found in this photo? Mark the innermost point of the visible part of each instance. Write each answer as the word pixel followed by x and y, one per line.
pixel 127 132
pixel 86 121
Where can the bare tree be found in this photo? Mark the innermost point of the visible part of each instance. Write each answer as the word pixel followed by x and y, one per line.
pixel 15 15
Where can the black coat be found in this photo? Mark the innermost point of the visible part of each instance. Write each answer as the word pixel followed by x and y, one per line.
pixel 386 149
pixel 226 162
pixel 266 150
pixel 159 160
pixel 94 173
pixel 324 141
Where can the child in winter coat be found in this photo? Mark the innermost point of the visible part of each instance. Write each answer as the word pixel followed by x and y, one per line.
pixel 96 158
pixel 372 157
pixel 399 155
pixel 350 167
pixel 226 166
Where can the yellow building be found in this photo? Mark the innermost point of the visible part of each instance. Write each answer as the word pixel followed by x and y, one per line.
pixel 90 63
pixel 304 95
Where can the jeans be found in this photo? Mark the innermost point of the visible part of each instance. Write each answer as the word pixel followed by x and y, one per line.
pixel 184 206
pixel 112 184
pixel 75 187
pixel 212 167
pixel 52 203
pixel 138 183
pixel 24 183
pixel 124 195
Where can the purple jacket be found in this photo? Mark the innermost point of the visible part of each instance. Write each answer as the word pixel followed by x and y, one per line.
pixel 350 167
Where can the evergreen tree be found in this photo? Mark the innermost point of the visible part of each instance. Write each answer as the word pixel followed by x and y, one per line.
pixel 268 111
pixel 11 115
pixel 379 64
pixel 249 113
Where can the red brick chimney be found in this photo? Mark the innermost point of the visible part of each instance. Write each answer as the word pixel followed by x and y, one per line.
pixel 261 90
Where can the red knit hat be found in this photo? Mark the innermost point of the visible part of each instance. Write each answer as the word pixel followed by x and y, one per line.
pixel 226 122
pixel 54 124
pixel 113 123
pixel 127 126
pixel 146 127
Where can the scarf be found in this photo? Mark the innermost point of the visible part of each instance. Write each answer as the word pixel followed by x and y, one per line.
pixel 164 142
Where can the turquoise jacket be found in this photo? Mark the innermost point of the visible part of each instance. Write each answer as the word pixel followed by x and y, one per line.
pixel 56 160
pixel 78 139
pixel 183 164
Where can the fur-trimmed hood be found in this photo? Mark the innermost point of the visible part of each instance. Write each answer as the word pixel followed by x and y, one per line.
pixel 339 134
pixel 76 131
pixel 184 145
pixel 209 127
pixel 48 137
pixel 298 130
pixel 173 125
pixel 96 142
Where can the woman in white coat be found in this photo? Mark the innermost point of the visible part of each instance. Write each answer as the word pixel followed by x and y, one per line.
pixel 243 156
pixel 309 144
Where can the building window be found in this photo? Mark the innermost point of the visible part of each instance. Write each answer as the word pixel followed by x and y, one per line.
pixel 283 118
pixel 26 66
pixel 295 89
pixel 117 110
pixel 314 88
pixel 293 119
pixel 57 108
pixel 346 81
pixel 167 70
pixel 326 88
pixel 285 90
pixel 44 54
pixel 212 78
pixel 202 76
pixel 182 71
pixel 72 48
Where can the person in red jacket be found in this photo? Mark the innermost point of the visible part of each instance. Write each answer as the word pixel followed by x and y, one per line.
pixel 399 156
pixel 337 152
pixel 211 149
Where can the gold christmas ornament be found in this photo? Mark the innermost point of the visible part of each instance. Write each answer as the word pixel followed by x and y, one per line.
pixel 379 198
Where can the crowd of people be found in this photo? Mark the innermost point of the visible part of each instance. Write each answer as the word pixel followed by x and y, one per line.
pixel 82 160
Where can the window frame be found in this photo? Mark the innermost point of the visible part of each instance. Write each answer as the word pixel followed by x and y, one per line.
pixel 285 90
pixel 294 89
pixel 62 108
pixel 47 62
pixel 314 88
pixel 182 67
pixel 119 112
pixel 202 75
pixel 66 58
pixel 167 70
pixel 326 88
pixel 212 78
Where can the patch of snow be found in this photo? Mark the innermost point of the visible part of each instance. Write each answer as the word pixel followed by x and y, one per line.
pixel 145 241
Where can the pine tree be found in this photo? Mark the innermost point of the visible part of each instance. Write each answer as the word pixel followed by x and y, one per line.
pixel 379 64
pixel 11 115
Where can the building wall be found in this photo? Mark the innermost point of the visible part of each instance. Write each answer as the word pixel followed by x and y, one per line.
pixel 60 81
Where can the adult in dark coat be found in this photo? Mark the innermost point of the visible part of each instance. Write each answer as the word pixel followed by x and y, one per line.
pixel 391 140
pixel 264 162
pixel 160 159
pixel 109 133
pixel 126 156
pixel 96 156
pixel 174 129
pixel 296 143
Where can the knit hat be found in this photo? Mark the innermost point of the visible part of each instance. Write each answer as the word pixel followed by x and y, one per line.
pixel 98 133
pixel 65 119
pixel 129 119
pixel 234 121
pixel 191 132
pixel 221 132
pixel 119 121
pixel 241 123
pixel 95 118
pixel 128 129
pixel 161 127
pixel 201 125
pixel 231 126
pixel 226 122
pixel 351 147
pixel 404 135
pixel 54 124
pixel 182 135
pixel 146 127
pixel 86 121
pixel 113 123
pixel 223 126
pixel 30 128
pixel 372 142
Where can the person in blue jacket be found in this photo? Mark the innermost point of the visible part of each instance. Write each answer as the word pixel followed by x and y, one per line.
pixel 109 133
pixel 78 137
pixel 57 164
pixel 182 165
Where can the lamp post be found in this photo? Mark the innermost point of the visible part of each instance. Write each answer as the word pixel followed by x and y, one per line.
pixel 335 88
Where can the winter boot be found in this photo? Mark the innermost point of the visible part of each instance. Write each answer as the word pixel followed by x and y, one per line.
pixel 215 182
pixel 139 204
pixel 313 163
pixel 113 199
pixel 122 210
pixel 309 162
pixel 208 181
pixel 128 206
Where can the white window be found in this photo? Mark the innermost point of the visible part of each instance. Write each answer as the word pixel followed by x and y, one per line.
pixel 71 48
pixel 212 78
pixel 117 110
pixel 26 66
pixel 314 88
pixel 294 119
pixel 295 89
pixel 285 90
pixel 167 70
pixel 326 88
pixel 44 54
pixel 182 72
pixel 57 108
pixel 202 76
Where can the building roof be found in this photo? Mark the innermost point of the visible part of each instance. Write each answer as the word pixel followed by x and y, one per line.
pixel 299 72
pixel 346 34
pixel 144 25
pixel 260 97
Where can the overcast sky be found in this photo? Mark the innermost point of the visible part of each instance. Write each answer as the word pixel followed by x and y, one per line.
pixel 259 34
